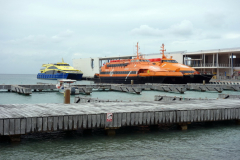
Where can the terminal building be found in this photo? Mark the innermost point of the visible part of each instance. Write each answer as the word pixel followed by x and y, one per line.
pixel 223 63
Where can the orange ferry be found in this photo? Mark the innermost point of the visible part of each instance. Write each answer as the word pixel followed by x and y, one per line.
pixel 138 69
pixel 190 75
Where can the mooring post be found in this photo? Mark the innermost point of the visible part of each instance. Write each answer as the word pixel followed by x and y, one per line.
pixel 203 82
pixel 132 82
pixel 110 132
pixel 67 96
pixel 183 126
pixel 238 121
pixel 15 138
pixel 87 131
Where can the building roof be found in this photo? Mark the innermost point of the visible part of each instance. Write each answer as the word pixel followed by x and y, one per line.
pixel 220 51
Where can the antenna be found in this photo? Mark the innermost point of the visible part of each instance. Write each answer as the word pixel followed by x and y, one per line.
pixel 163 56
pixel 137 51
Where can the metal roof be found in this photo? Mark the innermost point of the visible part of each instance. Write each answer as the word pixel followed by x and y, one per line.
pixel 225 50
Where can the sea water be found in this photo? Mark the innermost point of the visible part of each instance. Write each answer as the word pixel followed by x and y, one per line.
pixel 216 140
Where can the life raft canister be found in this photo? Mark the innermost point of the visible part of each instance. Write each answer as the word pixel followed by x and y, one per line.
pixel 57 86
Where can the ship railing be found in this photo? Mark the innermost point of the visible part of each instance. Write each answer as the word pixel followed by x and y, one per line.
pixel 229 78
pixel 213 65
pixel 206 72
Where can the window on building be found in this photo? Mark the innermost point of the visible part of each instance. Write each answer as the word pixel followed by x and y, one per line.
pixel 92 63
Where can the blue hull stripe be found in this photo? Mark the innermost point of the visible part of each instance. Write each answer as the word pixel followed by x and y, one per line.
pixel 59 76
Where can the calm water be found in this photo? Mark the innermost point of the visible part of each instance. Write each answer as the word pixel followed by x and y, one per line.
pixel 200 141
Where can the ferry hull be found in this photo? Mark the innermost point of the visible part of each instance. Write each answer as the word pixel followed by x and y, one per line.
pixel 59 76
pixel 156 79
pixel 140 80
pixel 197 78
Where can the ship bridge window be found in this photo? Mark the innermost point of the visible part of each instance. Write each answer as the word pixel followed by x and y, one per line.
pixel 50 72
pixel 62 64
pixel 187 71
pixel 170 61
pixel 143 60
pixel 117 65
pixel 52 67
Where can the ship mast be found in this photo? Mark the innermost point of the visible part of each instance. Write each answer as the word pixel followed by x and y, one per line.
pixel 163 56
pixel 137 51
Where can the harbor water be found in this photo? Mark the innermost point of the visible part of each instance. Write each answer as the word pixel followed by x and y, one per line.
pixel 212 140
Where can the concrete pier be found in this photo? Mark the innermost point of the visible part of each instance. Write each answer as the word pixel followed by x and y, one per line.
pixel 18 119
pixel 32 87
pixel 204 88
pixel 228 96
pixel 134 88
pixel 83 90
pixel 129 89
pixel 169 88
pixel 79 99
pixel 174 98
pixel 231 87
pixel 22 90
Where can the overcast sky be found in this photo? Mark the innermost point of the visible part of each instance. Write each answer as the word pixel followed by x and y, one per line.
pixel 37 32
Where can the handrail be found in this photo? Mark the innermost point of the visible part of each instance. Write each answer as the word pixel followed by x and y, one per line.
pixel 213 65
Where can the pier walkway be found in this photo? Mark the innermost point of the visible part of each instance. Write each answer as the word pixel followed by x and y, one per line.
pixel 134 88
pixel 19 119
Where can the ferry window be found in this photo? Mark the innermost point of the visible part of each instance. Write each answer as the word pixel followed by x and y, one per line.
pixel 49 72
pixel 52 67
pixel 137 60
pixel 171 61
pixel 62 64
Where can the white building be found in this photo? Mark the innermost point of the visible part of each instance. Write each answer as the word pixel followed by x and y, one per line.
pixel 224 63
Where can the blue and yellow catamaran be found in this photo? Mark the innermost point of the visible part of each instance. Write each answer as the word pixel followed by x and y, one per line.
pixel 60 70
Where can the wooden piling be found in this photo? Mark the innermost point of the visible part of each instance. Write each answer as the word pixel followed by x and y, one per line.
pixel 15 138
pixel 110 132
pixel 67 96
pixel 238 122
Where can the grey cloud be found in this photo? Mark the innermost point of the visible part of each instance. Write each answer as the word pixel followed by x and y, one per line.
pixel 45 31
pixel 216 20
pixel 184 28
pixel 145 30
